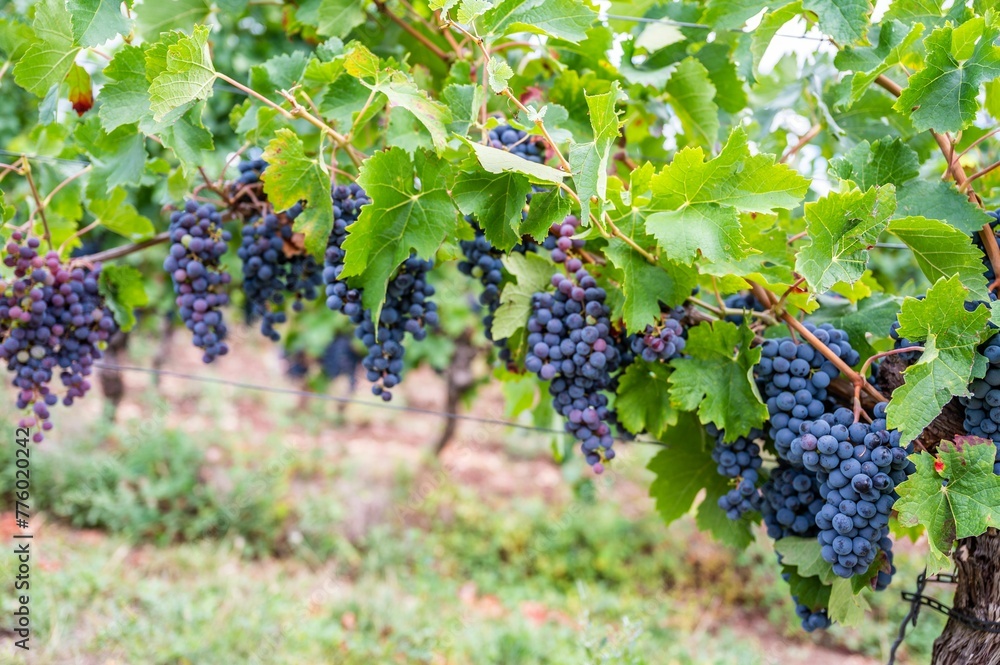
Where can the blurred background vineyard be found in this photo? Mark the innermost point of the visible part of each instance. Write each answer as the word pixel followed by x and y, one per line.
pixel 211 524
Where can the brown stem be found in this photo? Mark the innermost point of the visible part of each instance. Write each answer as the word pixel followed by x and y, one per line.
pixel 124 250
pixel 57 188
pixel 39 204
pixel 806 138
pixel 864 372
pixel 982 138
pixel 981 173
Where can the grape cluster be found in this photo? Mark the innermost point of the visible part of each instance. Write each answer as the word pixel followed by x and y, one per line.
pixel 982 408
pixel 250 170
pixel 811 619
pixel 560 241
pixel 663 344
pixel 570 344
pixel 741 461
pixel 884 577
pixel 791 501
pixel 745 301
pixel 793 378
pixel 859 466
pixel 52 318
pixel 340 359
pixel 198 242
pixel 347 203
pixel 518 142
pixel 483 262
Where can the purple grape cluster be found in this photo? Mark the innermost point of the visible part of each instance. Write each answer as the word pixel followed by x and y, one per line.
pixel 518 142
pixel 793 378
pixel 982 408
pixel 483 262
pixel 52 318
pixel 250 171
pixel 347 203
pixel 745 301
pixel 340 359
pixel 662 343
pixel 570 344
pixel 811 619
pixel 560 241
pixel 859 466
pixel 740 461
pixel 791 501
pixel 198 242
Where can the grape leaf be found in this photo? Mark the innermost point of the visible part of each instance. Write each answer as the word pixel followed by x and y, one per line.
pixel 499 73
pixel 942 250
pixel 157 17
pixel 464 102
pixel 411 210
pixel 531 273
pixel 846 607
pixel 496 160
pixel 124 291
pixel 888 161
pixel 773 21
pixel 115 214
pixel 842 227
pixel 562 19
pixel 699 201
pixel 15 38
pixel 118 157
pixel 81 89
pixel 844 20
pixel 730 14
pixel 97 21
pixel 49 58
pixel 949 362
pixel 895 40
pixel 692 92
pixel 496 200
pixel 189 139
pixel 805 556
pixel 954 494
pixel 683 469
pixel 334 18
pixel 711 519
pixel 717 378
pixel 546 209
pixel 293 176
pixel 125 97
pixel 643 399
pixel 943 95
pixel 589 161
pixel 936 199
pixel 187 77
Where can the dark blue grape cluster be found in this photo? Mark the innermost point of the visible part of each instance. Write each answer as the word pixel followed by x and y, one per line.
pixel 745 301
pixel 560 242
pixel 903 343
pixel 811 619
pixel 340 297
pixel 198 242
pixel 793 378
pixel 518 142
pixel 859 466
pixel 791 501
pixel 982 408
pixel 340 359
pixel 740 461
pixel 250 170
pixel 52 319
pixel 884 577
pixel 570 344
pixel 661 343
pixel 483 262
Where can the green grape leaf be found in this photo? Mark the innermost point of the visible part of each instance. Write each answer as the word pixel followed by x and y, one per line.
pixel 700 201
pixel 888 161
pixel 842 227
pixel 844 20
pixel 949 362
pixel 470 10
pixel 332 18
pixel 943 95
pixel 711 519
pixel 589 161
pixel 846 607
pixel 546 209
pixel 496 200
pixel 531 273
pixel 568 20
pixel 942 250
pixel 158 17
pixel 464 102
pixel 954 494
pixel 97 21
pixel 293 176
pixel 411 211
pixel 118 216
pixel 118 157
pixel 928 12
pixel 499 73
pixel 895 40
pixel 692 93
pixel 683 469
pixel 15 38
pixel 936 199
pixel 730 14
pixel 496 160
pixel 773 21
pixel 643 399
pixel 810 591
pixel 187 77
pixel 804 555
pixel 124 291
pixel 49 58
pixel 717 378
pixel 125 97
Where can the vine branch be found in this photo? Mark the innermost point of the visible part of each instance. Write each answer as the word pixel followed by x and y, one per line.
pixel 39 203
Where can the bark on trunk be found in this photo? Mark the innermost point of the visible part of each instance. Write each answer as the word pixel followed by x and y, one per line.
pixel 977 595
pixel 112 381
pixel 460 379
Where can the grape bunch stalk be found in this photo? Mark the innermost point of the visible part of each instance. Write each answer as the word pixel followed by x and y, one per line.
pixel 198 242
pixel 52 319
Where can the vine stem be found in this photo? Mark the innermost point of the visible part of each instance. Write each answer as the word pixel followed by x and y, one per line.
pixel 732 311
pixel 87 229
pixel 864 372
pixel 859 382
pixel 57 188
pixel 124 250
pixel 958 173
pixel 982 138
pixel 413 32
pixel 982 172
pixel 806 138
pixel 39 203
